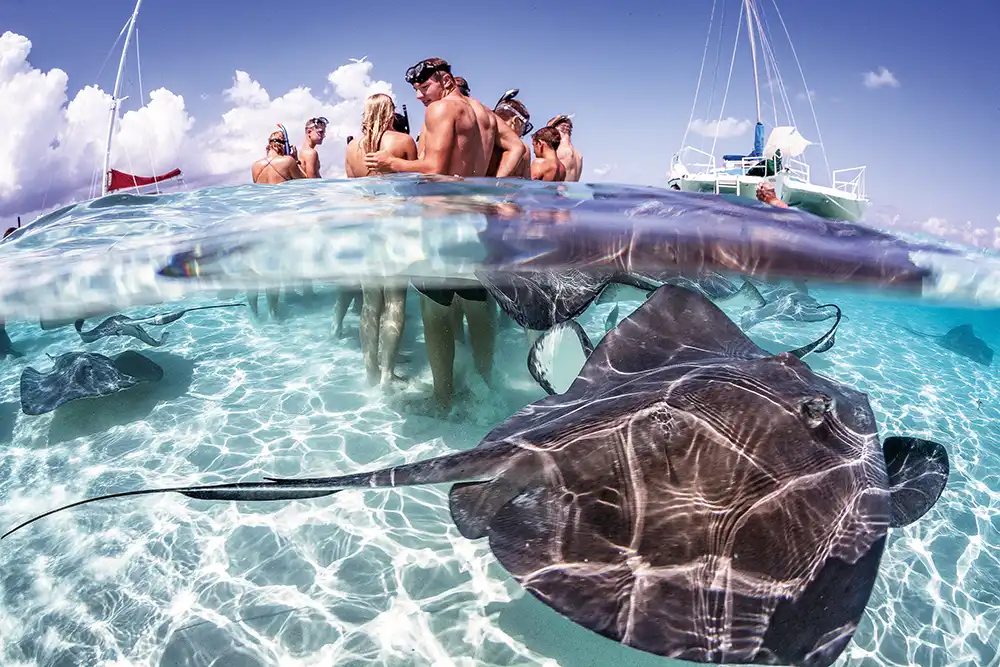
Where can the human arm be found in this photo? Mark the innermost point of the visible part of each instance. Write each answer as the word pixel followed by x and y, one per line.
pixel 513 149
pixel 309 162
pixel 437 141
pixel 294 170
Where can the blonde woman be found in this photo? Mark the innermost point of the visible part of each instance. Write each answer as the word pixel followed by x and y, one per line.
pixel 383 311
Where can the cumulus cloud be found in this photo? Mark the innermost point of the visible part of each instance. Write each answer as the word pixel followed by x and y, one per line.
pixel 54 145
pixel 882 78
pixel 726 128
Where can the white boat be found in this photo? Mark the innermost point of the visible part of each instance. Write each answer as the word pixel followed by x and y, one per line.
pixel 114 180
pixel 775 159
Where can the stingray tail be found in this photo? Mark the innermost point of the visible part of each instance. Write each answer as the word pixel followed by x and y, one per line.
pixel 558 355
pixel 250 491
pixel 469 466
pixel 824 342
pixel 918 333
pixel 160 320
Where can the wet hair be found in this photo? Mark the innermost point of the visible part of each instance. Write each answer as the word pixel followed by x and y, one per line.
pixel 276 142
pixel 561 119
pixel 547 135
pixel 379 116
pixel 9 232
pixel 399 123
pixel 463 85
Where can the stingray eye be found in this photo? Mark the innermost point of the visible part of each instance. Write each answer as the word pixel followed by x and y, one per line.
pixel 814 409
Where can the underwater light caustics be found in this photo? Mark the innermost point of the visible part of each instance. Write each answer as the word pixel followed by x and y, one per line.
pixel 690 495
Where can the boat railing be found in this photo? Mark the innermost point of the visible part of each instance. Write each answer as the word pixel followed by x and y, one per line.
pixel 701 166
pixel 851 181
pixel 796 169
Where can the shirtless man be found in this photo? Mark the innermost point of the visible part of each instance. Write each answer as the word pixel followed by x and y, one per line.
pixel 457 138
pixel 547 166
pixel 383 314
pixel 276 166
pixel 568 155
pixel 309 156
pixel 514 115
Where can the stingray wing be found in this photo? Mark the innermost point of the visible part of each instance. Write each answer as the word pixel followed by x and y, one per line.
pixel 540 300
pixel 674 326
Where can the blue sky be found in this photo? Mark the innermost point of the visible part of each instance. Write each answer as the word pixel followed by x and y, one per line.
pixel 627 70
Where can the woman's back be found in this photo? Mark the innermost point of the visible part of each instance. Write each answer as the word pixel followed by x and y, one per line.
pixel 396 144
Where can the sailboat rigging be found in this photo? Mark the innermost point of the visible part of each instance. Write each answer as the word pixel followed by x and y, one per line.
pixel 113 179
pixel 774 160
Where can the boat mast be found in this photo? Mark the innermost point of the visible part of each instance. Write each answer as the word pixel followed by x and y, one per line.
pixel 114 100
pixel 753 53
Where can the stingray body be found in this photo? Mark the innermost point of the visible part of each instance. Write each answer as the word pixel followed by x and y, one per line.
pixel 6 346
pixel 122 325
pixel 791 307
pixel 690 495
pixel 540 300
pixel 962 340
pixel 78 375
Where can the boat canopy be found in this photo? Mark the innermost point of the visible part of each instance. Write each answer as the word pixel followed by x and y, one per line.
pixel 119 180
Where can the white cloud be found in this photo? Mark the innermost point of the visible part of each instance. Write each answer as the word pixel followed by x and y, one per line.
pixel 880 79
pixel 808 95
pixel 726 128
pixel 603 170
pixel 54 146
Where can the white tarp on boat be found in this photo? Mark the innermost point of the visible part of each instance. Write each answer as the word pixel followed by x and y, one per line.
pixel 786 139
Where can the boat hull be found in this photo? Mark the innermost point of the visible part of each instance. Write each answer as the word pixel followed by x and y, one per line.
pixel 820 200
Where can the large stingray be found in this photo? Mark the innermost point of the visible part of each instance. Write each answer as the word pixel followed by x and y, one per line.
pixel 962 340
pixel 83 375
pixel 690 496
pixel 6 346
pixel 122 325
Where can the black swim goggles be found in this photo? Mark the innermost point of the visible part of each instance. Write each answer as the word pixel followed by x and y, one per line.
pixel 422 71
pixel 319 121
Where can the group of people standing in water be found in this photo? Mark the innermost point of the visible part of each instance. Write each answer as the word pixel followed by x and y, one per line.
pixel 460 137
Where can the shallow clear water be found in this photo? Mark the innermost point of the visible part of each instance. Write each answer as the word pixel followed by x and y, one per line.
pixel 385 577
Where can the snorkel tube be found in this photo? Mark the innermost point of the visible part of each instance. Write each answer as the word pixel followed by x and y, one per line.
pixel 284 133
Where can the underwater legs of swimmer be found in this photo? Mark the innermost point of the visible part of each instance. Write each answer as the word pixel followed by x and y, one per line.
pixel 383 316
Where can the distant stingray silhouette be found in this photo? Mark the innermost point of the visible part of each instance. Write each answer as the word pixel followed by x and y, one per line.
pixel 961 340
pixel 690 495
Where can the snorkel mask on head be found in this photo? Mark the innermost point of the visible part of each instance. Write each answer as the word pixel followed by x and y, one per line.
pixel 527 127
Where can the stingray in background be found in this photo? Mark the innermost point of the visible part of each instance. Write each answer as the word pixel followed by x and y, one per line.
pixel 122 325
pixel 691 495
pixel 78 375
pixel 962 340
pixel 539 300
pixel 6 346
pixel 794 307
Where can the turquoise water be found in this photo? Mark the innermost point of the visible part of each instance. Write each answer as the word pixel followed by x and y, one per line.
pixel 385 577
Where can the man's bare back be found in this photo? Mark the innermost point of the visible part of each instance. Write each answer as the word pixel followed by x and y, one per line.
pixel 277 169
pixel 571 159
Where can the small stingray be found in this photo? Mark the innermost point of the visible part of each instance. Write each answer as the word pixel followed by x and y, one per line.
pixel 6 346
pixel 122 325
pixel 82 375
pixel 690 495
pixel 962 340
pixel 794 307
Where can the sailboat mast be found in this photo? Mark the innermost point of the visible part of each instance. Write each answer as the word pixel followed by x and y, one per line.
pixel 105 177
pixel 753 53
